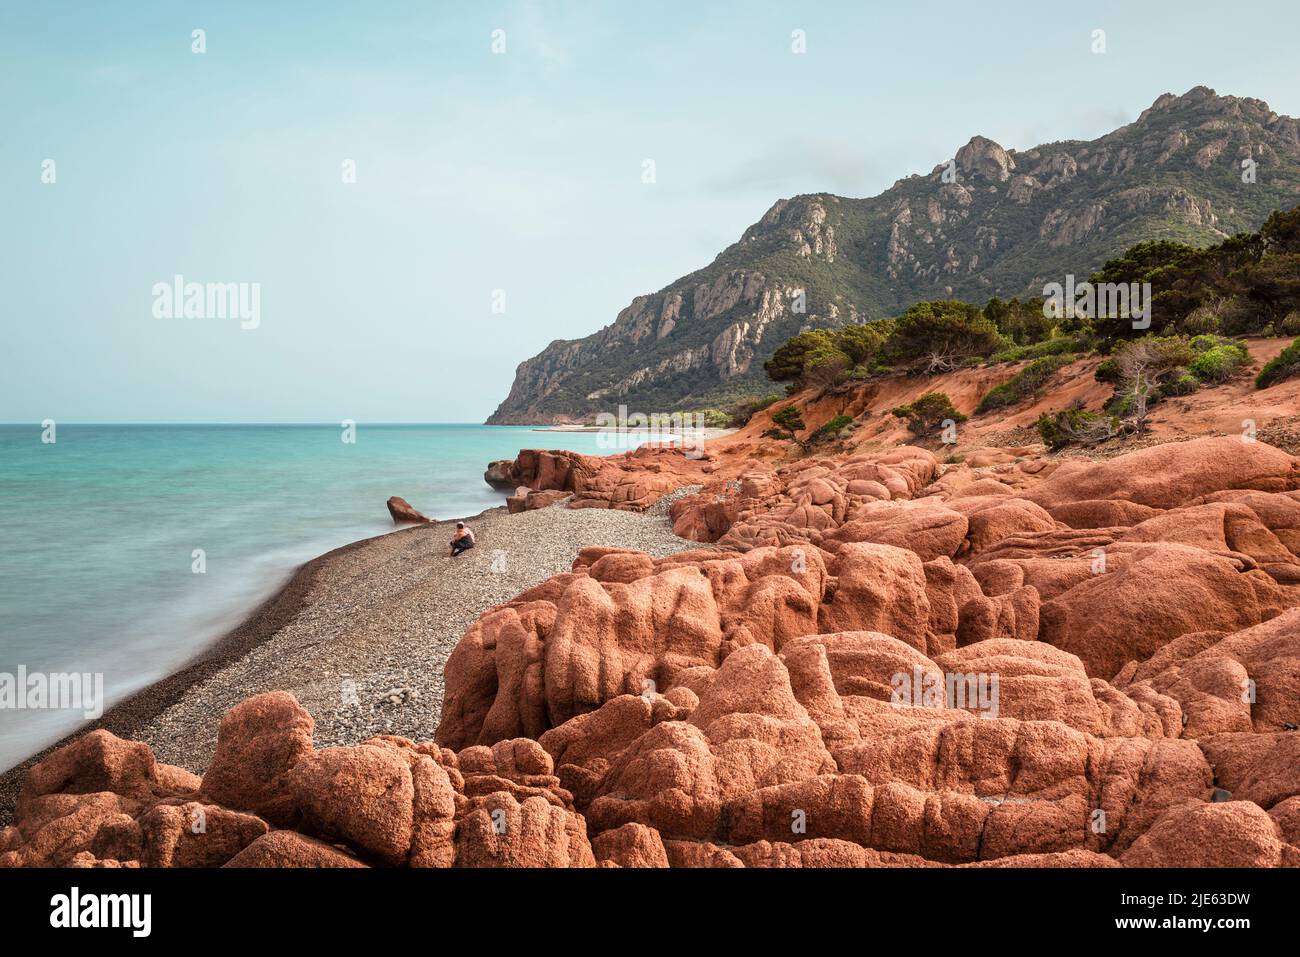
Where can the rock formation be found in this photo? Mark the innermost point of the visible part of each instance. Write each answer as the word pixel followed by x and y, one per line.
pixel 402 511
pixel 872 660
pixel 631 481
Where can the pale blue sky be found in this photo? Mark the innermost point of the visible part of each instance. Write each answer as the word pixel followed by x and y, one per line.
pixel 477 171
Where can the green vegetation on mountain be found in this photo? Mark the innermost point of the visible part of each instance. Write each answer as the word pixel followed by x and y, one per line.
pixel 1169 183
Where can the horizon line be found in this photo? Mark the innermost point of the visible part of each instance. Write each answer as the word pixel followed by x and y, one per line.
pixel 329 424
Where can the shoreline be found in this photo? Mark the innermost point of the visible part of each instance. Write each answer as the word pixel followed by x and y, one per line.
pixel 379 605
pixel 141 706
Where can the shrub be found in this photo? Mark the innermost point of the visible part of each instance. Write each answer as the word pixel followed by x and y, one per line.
pixel 1208 342
pixel 1219 363
pixel 862 342
pixel 824 364
pixel 1284 366
pixel 777 434
pixel 1024 384
pixel 1021 322
pixel 1108 371
pixel 1201 320
pixel 789 419
pixel 1239 316
pixel 1048 347
pixel 833 427
pixel 939 336
pixel 1290 324
pixel 1076 427
pixel 1145 365
pixel 928 413
pixel 1184 384
pixel 787 363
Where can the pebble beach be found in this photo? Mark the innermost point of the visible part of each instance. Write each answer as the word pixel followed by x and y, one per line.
pixel 360 635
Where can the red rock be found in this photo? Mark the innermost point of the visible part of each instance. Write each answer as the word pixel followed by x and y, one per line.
pixel 402 511
pixel 879 588
pixel 1231 834
pixel 502 832
pixel 1165 592
pixel 195 834
pixel 1170 475
pixel 501 474
pixel 259 742
pixel 99 761
pixel 291 849
pixel 632 845
pixel 362 795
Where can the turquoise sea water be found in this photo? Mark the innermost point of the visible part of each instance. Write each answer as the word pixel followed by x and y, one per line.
pixel 98 530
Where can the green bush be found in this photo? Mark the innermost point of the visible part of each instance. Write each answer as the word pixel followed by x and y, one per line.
pixel 1201 320
pixel 1048 347
pixel 1290 324
pixel 824 364
pixel 1108 371
pixel 789 419
pixel 1021 322
pixel 1076 427
pixel 1184 384
pixel 1285 366
pixel 1208 342
pixel 833 427
pixel 1219 363
pixel 928 413
pixel 940 336
pixel 1024 384
pixel 822 357
pixel 777 434
pixel 787 363
pixel 861 342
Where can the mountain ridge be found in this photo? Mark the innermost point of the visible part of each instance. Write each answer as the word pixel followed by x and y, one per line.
pixel 1001 222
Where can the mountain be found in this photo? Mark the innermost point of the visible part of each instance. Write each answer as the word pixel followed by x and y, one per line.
pixel 1000 222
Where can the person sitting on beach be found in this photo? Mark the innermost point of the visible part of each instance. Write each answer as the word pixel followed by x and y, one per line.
pixel 462 540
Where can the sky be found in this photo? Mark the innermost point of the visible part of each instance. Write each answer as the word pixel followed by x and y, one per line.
pixel 500 199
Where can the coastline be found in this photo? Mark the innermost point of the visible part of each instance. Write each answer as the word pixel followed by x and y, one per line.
pixel 376 615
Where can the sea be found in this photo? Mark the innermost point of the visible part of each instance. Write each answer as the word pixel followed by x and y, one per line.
pixel 127 549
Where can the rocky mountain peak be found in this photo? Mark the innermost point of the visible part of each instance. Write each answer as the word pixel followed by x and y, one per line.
pixel 1012 221
pixel 982 157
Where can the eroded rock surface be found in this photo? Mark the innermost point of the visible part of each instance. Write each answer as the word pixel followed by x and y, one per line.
pixel 870 661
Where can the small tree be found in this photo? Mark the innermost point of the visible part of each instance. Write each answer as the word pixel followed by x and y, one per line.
pixel 928 413
pixel 787 363
pixel 823 365
pixel 1143 365
pixel 1076 427
pixel 862 342
pixel 789 419
pixel 939 336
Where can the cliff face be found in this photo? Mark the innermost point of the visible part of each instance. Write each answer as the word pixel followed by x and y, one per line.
pixel 991 222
